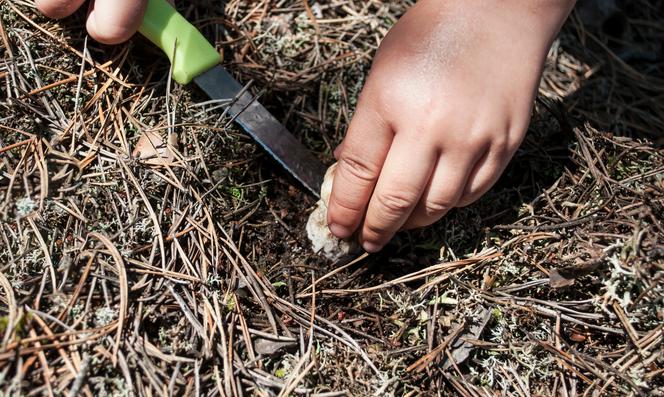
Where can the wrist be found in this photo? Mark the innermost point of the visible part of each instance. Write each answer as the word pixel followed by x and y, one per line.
pixel 543 18
pixel 526 27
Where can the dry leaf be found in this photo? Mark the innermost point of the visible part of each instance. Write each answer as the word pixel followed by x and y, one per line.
pixel 461 349
pixel 557 280
pixel 269 347
pixel 565 276
pixel 152 149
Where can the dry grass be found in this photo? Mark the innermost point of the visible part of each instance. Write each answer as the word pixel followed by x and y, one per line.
pixel 192 275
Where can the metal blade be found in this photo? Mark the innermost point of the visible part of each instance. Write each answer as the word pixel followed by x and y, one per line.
pixel 264 128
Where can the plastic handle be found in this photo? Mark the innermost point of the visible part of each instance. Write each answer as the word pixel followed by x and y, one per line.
pixel 166 28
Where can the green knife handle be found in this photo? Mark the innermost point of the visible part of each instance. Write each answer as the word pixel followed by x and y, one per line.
pixel 167 29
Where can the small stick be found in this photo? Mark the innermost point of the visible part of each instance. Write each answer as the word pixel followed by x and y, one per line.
pixel 15 145
pixel 424 361
pixel 80 377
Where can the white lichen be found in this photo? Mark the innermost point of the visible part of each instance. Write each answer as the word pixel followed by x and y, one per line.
pixel 25 206
pixel 104 316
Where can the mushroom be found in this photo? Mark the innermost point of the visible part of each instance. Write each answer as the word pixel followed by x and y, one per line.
pixel 322 240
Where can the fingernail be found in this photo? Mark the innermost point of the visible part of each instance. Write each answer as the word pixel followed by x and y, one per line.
pixel 339 231
pixel 371 247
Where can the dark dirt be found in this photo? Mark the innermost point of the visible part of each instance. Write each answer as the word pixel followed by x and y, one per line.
pixel 563 258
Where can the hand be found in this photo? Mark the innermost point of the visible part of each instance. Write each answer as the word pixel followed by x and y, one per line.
pixel 445 106
pixel 109 21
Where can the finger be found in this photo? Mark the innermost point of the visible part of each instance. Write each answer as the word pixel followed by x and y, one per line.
pixel 445 189
pixel 58 8
pixel 402 181
pixel 364 150
pixel 115 21
pixel 485 174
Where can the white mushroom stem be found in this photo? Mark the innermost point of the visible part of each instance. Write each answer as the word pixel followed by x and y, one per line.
pixel 322 240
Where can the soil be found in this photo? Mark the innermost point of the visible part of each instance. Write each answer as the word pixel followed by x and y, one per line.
pixel 193 274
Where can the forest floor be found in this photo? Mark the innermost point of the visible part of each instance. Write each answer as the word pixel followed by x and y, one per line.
pixel 190 273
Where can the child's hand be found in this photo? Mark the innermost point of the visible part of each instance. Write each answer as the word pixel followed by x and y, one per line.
pixel 109 21
pixel 445 107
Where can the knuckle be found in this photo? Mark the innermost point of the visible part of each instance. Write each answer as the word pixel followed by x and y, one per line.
pixel 438 207
pixel 343 211
pixel 480 139
pixel 358 168
pixel 500 143
pixel 372 232
pixel 505 144
pixel 396 202
pixel 513 142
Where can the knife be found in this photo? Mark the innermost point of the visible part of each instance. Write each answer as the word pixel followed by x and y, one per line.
pixel 193 58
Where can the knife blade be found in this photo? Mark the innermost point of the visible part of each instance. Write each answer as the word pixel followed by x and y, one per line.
pixel 193 58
